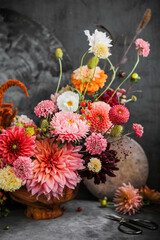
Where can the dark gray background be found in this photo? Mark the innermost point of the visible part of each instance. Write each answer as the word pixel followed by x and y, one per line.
pixel 67 19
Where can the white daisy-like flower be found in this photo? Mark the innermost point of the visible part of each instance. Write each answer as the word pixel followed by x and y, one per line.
pixel 99 44
pixel 68 101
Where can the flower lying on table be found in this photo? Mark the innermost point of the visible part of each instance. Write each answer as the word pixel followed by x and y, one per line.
pixel 74 139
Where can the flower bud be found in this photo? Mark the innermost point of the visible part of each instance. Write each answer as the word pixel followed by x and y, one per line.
pixel 122 74
pixel 20 125
pixel 134 98
pixel 59 53
pixel 135 77
pixel 30 131
pixel 93 62
pixel 44 124
pixel 116 131
pixel 123 96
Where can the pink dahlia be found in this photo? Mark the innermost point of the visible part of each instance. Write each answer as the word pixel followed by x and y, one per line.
pixel 23 167
pixel 127 199
pixel 54 168
pixel 143 47
pixel 14 143
pixel 68 126
pixel 99 120
pixel 119 114
pixel 138 129
pixel 95 144
pixel 44 108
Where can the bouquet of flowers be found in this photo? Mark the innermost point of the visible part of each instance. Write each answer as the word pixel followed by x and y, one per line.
pixel 77 124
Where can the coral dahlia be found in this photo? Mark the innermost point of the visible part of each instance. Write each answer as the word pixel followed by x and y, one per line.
pixel 95 144
pixel 98 81
pixel 119 114
pixel 127 199
pixel 99 120
pixel 54 168
pixel 14 143
pixel 68 126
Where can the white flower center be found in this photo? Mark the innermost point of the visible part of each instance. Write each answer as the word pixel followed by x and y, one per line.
pixel 100 50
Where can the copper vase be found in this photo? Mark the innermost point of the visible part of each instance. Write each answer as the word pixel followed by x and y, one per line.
pixel 42 208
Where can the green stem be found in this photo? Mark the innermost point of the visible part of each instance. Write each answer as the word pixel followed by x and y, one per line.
pixel 123 136
pixel 89 82
pixel 113 77
pixel 81 70
pixel 126 77
pixel 60 75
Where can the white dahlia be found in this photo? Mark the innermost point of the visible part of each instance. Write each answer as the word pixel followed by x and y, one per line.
pixel 68 101
pixel 99 44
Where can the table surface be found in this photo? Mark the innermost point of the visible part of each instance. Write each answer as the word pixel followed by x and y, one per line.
pixel 87 224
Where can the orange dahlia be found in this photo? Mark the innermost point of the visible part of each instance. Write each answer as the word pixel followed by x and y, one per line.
pixel 150 195
pixel 99 79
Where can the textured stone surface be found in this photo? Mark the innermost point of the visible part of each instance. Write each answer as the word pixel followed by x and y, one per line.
pixel 27 54
pixel 89 224
pixel 133 168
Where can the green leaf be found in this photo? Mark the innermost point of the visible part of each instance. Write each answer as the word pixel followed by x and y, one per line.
pixel 61 144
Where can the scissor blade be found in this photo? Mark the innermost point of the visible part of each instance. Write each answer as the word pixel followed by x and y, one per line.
pixel 113 217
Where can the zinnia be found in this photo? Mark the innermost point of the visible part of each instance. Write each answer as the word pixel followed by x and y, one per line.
pixel 69 127
pixel 99 120
pixel 99 44
pixel 127 199
pixel 54 168
pixel 14 143
pixel 98 81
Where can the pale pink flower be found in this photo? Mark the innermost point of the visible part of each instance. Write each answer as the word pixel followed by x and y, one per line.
pixel 54 97
pixel 14 143
pixel 95 144
pixel 23 167
pixel 24 120
pixel 120 92
pixel 138 129
pixel 54 168
pixel 68 126
pixel 44 108
pixel 143 47
pixel 127 199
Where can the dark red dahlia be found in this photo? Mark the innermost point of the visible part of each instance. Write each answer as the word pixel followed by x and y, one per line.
pixel 106 96
pixel 108 161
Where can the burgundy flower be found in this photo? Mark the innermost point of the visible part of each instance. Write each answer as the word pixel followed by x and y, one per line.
pixel 108 160
pixel 106 96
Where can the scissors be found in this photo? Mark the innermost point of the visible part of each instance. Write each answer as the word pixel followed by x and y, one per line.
pixel 125 223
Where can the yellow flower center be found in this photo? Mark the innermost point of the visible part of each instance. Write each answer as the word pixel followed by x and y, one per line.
pixel 14 146
pixel 70 121
pixel 70 103
pixel 94 165
pixel 120 111
pixel 100 50
pixel 99 117
pixel 30 131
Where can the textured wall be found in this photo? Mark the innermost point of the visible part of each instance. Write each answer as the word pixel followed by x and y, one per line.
pixel 67 19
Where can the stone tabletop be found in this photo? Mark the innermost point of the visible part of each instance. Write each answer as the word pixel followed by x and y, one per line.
pixel 87 224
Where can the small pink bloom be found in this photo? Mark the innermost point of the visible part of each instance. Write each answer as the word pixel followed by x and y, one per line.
pixel 23 167
pixel 120 92
pixel 143 47
pixel 138 129
pixel 95 144
pixel 119 114
pixel 44 108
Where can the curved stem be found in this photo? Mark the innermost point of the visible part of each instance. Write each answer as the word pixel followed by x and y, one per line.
pixel 89 82
pixel 123 136
pixel 126 77
pixel 60 75
pixel 113 77
pixel 81 70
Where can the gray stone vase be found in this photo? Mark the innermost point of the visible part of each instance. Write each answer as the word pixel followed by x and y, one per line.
pixel 133 168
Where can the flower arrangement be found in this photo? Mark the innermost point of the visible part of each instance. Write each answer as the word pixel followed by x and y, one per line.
pixel 76 127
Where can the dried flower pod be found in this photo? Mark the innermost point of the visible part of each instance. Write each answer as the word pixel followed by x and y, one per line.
pixel 145 20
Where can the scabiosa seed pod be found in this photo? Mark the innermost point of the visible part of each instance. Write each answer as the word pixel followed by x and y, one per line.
pixel 93 62
pixel 116 131
pixel 59 53
pixel 44 124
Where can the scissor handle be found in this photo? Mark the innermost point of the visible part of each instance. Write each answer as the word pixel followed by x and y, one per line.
pixel 123 228
pixel 143 223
